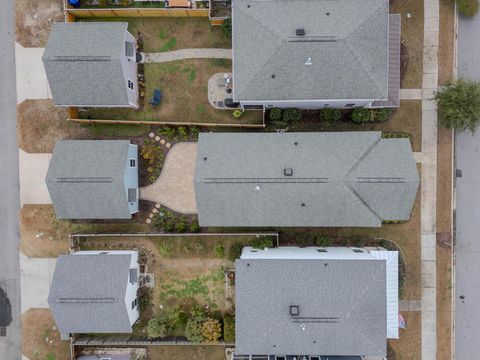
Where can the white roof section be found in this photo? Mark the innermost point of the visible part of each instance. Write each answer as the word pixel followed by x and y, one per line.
pixel 307 253
pixel 391 257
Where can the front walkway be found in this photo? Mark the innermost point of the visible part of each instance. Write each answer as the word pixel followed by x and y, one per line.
pixel 35 278
pixel 31 76
pixel 429 179
pixel 174 188
pixel 188 54
pixel 32 172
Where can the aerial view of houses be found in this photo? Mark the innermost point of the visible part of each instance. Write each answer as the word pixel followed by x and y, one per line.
pixel 234 180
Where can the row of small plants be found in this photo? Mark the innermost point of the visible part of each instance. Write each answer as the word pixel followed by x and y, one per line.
pixel 358 115
pixel 170 222
pixel 181 133
pixel 197 325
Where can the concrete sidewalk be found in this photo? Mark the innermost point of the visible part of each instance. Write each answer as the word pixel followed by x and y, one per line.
pixel 32 80
pixel 33 170
pixel 35 279
pixel 188 54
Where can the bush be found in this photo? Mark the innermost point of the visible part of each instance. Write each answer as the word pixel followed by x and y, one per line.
pixel 237 113
pixel 103 3
pixel 467 7
pixel 166 131
pixel 211 330
pixel 361 115
pixel 194 227
pixel 229 329
pixel 227 27
pixel 262 242
pixel 330 115
pixel 181 225
pixel 275 114
pixel 292 115
pixel 219 250
pixel 183 132
pixel 235 251
pixel 323 241
pixel 157 327
pixel 193 328
pixel 194 132
pixel 125 3
pixel 459 105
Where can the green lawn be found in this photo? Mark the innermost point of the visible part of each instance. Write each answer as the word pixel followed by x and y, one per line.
pixel 173 33
pixel 184 86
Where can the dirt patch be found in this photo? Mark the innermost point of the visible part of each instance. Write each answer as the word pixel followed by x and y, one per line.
pixel 412 38
pixel 41 125
pixel 40 337
pixel 446 44
pixel 409 347
pixel 444 303
pixel 33 20
pixel 186 352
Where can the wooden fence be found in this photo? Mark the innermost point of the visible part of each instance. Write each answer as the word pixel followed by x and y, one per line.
pixel 122 340
pixel 136 12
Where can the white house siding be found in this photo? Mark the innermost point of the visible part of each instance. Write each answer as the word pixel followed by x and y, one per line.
pixel 129 67
pixel 310 104
pixel 130 177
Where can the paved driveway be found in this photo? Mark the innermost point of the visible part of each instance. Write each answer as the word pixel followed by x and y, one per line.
pixel 174 187
pixel 467 247
pixel 31 77
pixel 33 170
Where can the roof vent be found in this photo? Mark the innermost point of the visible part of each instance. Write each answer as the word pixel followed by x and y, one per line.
pixel 294 310
pixel 308 61
pixel 300 32
pixel 288 172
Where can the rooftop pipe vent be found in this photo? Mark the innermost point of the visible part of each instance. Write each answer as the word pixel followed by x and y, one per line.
pixel 294 310
pixel 300 32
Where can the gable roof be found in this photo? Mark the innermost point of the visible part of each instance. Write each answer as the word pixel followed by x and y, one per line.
pixel 339 179
pixel 87 294
pixel 347 62
pixel 85 179
pixel 83 64
pixel 352 292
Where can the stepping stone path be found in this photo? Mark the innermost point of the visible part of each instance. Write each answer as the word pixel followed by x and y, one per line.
pixel 168 145
pixel 151 134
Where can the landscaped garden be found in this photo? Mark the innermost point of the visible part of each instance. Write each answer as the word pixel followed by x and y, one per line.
pixel 193 295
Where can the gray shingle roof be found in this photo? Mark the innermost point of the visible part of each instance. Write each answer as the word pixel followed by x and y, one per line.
pixel 83 64
pixel 341 179
pixel 348 49
pixel 353 291
pixel 101 281
pixel 86 179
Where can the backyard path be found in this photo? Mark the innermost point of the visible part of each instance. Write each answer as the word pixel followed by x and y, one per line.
pixel 188 54
pixel 174 187
pixel 429 179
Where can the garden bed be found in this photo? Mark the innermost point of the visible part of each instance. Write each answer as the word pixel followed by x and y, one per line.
pixel 184 96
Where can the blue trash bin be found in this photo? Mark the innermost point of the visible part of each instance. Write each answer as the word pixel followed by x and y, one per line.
pixel 74 3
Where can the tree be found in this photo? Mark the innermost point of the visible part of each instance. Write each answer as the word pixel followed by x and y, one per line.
pixel 193 329
pixel 459 105
pixel 157 327
pixel 292 115
pixel 211 330
pixel 467 7
pixel 275 114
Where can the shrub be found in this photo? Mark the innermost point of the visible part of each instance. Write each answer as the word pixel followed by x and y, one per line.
pixel 157 327
pixel 193 328
pixel 227 27
pixel 237 113
pixel 182 131
pixel 181 226
pixel 262 242
pixel 381 114
pixel 167 131
pixel 292 115
pixel 304 240
pixel 467 7
pixel 194 227
pixel 219 250
pixel 459 105
pixel 235 251
pixel 125 3
pixel 194 132
pixel 229 329
pixel 323 241
pixel 330 115
pixel 211 330
pixel 275 114
pixel 361 115
pixel 103 3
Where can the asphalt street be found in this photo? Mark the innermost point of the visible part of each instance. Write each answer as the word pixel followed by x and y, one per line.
pixel 467 247
pixel 9 206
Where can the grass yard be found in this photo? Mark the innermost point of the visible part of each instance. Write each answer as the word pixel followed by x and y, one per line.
pixel 192 352
pixel 173 33
pixel 412 38
pixel 409 346
pixel 406 119
pixel 189 271
pixel 53 234
pixel 446 42
pixel 185 95
pixel 40 337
